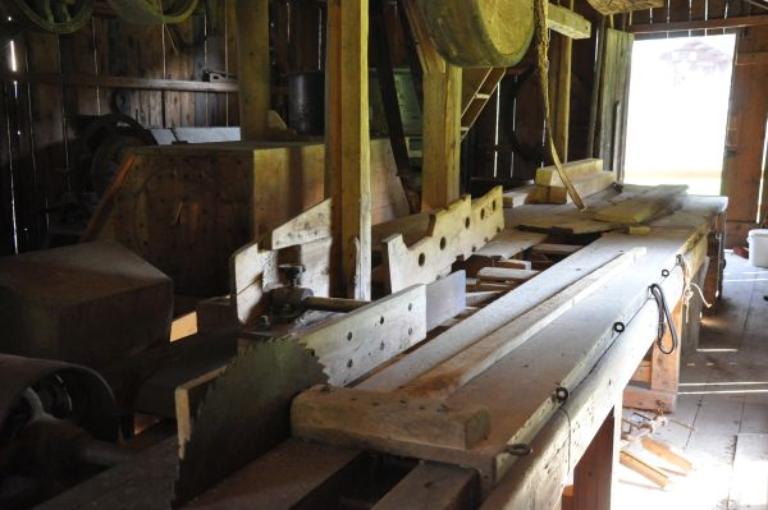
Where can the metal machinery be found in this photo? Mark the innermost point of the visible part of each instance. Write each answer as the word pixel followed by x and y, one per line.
pixel 67 16
pixel 58 426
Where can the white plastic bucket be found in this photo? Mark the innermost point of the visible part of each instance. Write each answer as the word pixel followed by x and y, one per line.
pixel 758 247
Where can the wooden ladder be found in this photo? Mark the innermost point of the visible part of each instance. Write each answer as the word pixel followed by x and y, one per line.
pixel 478 86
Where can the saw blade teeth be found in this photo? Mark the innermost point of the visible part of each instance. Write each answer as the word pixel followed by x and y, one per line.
pixel 245 412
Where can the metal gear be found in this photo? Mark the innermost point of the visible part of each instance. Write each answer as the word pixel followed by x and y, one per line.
pixel 245 413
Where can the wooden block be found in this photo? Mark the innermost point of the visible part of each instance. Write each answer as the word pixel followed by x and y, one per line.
pixel 446 298
pixel 184 326
pixel 92 303
pixel 642 397
pixel 665 451
pixel 516 197
pixel 503 274
pixel 568 23
pixel 311 225
pixel 586 186
pixel 351 417
pixel 216 314
pixel 253 272
pixel 640 466
pixel 548 176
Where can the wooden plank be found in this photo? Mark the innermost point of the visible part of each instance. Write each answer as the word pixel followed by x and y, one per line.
pixel 562 250
pixel 253 273
pixel 568 23
pixel 709 24
pixel 351 345
pixel 548 175
pixel 366 419
pixel 431 485
pixel 645 207
pixel 446 298
pixel 663 450
pixel 516 197
pixel 283 478
pixel 585 186
pixel 311 225
pixel 457 231
pixel 472 361
pixel 509 243
pixel 638 465
pixel 505 274
pixel 593 475
pixel 89 81
pixel 187 398
pixel 749 471
pixel 348 174
pixel 752 58
pixel 144 483
pixel 254 63
pixel 537 480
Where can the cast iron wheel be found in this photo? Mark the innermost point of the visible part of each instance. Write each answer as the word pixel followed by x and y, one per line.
pixel 154 12
pixel 57 16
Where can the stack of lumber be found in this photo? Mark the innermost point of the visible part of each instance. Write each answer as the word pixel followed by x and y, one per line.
pixel 587 176
pixel 645 206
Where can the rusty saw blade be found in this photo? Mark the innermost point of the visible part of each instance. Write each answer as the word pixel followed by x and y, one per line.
pixel 245 413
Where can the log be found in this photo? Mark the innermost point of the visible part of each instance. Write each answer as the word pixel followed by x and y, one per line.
pixel 477 33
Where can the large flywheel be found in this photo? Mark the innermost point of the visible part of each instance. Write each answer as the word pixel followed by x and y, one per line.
pixel 154 12
pixel 57 16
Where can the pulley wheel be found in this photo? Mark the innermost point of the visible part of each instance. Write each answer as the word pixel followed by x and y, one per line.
pixel 479 33
pixel 153 12
pixel 57 16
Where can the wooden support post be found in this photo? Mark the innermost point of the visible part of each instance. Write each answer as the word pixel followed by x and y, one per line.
pixel 253 67
pixel 593 476
pixel 442 138
pixel 661 392
pixel 560 90
pixel 441 119
pixel 347 140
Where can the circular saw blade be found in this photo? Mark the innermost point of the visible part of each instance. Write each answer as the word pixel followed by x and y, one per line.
pixel 245 413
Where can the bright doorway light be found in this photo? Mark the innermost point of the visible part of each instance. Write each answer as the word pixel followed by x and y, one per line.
pixel 678 110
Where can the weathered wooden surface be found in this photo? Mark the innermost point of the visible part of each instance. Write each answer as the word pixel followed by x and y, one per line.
pixel 186 209
pixel 351 345
pixel 348 152
pixel 477 33
pixel 92 304
pixel 372 420
pixel 617 6
pixel 457 231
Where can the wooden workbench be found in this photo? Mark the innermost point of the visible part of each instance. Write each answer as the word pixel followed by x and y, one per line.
pixel 574 435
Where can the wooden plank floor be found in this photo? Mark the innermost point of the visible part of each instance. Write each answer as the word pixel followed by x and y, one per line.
pixel 723 394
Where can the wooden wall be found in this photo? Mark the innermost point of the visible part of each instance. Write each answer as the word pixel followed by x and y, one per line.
pixel 41 117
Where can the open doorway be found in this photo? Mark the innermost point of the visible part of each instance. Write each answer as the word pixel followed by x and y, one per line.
pixel 678 111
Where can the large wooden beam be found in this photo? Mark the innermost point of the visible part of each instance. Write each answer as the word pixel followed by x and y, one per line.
pixel 712 24
pixel 347 138
pixel 253 67
pixel 441 119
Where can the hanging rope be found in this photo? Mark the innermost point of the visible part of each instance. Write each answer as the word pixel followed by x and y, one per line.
pixel 542 49
pixel 689 286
